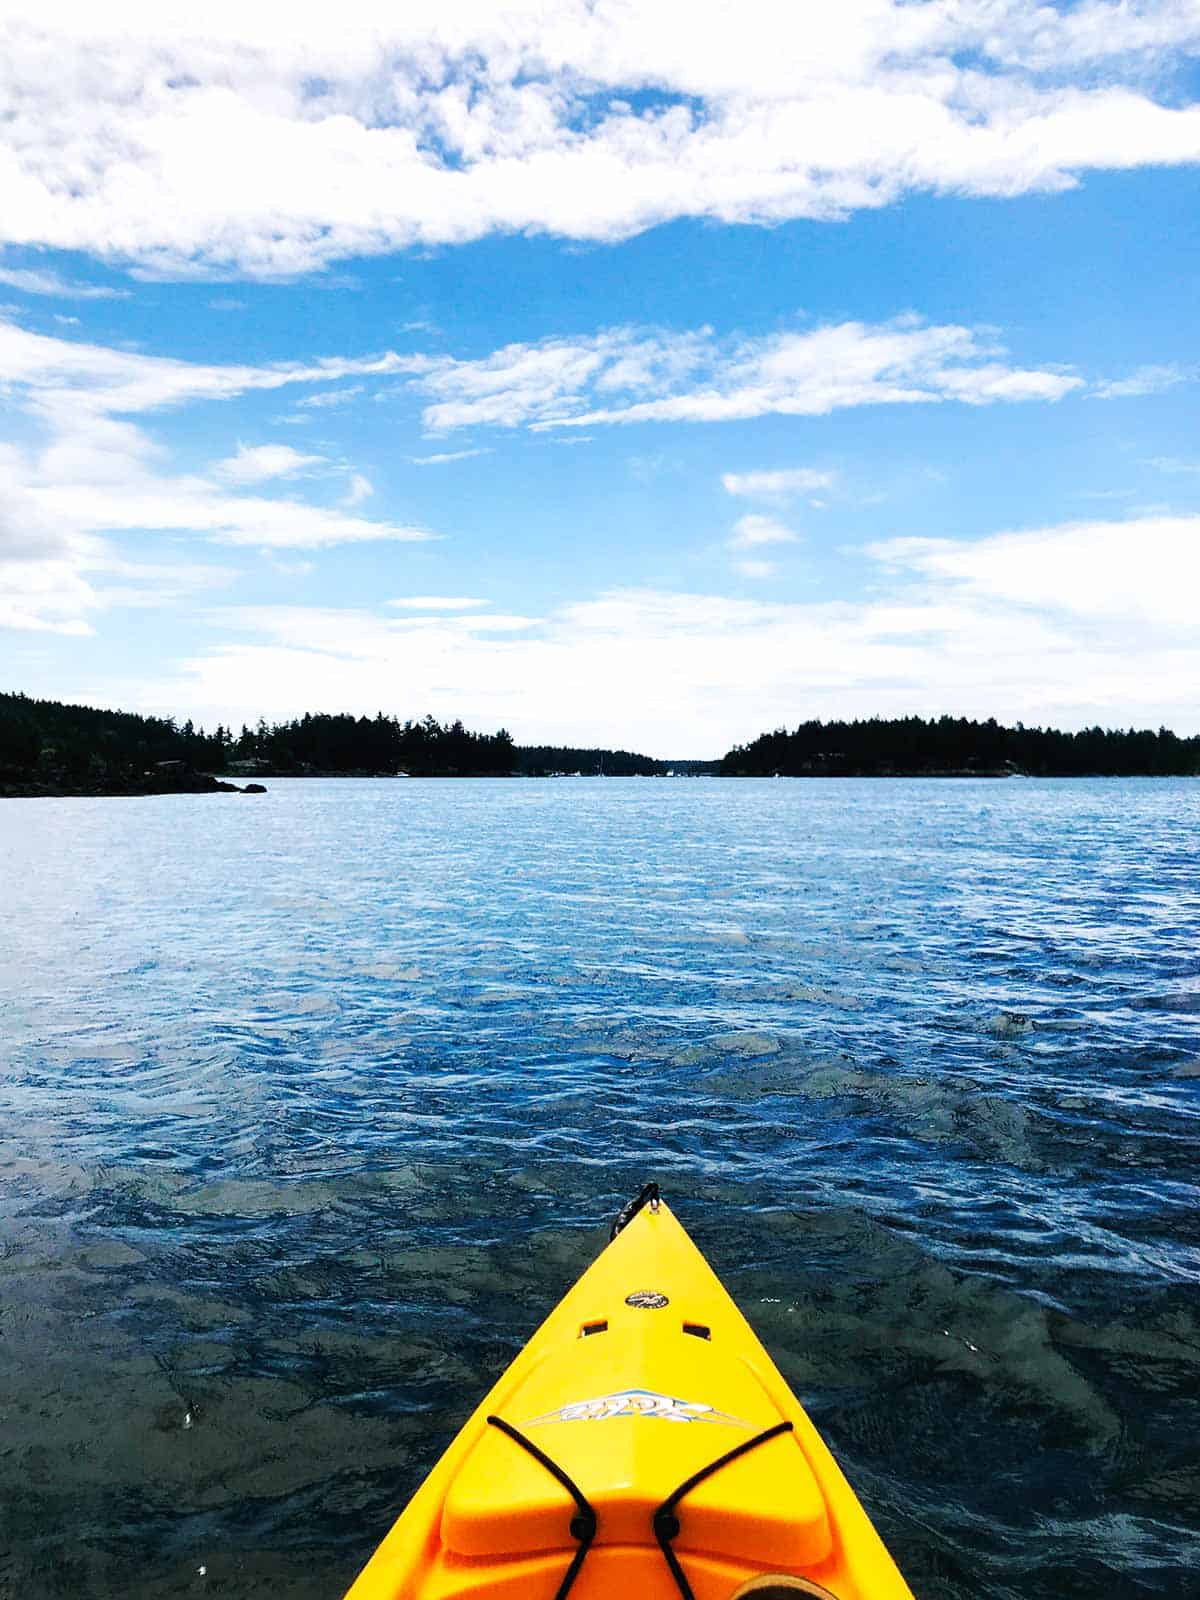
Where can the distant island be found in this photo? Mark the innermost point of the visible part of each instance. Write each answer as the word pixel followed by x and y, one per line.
pixel 48 748
pixel 51 748
pixel 554 760
pixel 957 747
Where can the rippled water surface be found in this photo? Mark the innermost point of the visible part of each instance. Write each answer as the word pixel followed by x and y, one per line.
pixel 312 1105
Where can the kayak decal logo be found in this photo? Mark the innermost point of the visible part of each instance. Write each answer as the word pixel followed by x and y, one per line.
pixel 637 1403
pixel 647 1300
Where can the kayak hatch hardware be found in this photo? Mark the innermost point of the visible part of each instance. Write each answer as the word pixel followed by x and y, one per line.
pixel 583 1523
pixel 647 1195
pixel 666 1523
pixel 594 1327
pixel 698 1330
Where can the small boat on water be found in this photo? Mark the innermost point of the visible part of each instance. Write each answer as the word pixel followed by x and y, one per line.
pixel 642 1446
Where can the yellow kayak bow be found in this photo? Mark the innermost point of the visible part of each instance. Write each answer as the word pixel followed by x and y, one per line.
pixel 642 1446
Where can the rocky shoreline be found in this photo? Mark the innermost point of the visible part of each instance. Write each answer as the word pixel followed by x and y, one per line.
pixel 166 777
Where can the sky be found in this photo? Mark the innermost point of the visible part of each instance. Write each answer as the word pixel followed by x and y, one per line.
pixel 628 372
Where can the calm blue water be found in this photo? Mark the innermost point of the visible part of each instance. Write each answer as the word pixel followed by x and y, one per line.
pixel 311 1105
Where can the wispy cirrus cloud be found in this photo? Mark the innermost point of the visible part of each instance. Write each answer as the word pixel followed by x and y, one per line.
pixel 365 132
pixel 184 504
pixel 31 280
pixel 52 373
pixel 632 375
pixel 57 576
pixel 751 532
pixel 258 463
pixel 327 398
pixel 445 457
pixel 359 489
pixel 264 463
pixel 1146 380
pixel 778 484
pixel 91 474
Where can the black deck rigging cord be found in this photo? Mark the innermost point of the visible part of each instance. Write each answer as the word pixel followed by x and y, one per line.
pixel 583 1523
pixel 666 1523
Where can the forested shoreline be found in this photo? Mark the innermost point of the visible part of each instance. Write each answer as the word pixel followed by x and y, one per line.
pixel 957 746
pixel 48 747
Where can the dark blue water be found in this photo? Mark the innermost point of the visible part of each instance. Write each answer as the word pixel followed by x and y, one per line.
pixel 311 1106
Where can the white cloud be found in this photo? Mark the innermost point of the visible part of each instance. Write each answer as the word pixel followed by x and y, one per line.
pixel 753 530
pixel 445 456
pixel 1147 568
pixel 47 596
pixel 289 569
pixel 658 376
pixel 41 282
pixel 243 142
pixel 55 576
pixel 1146 380
pixel 331 397
pixel 438 602
pixel 360 489
pixel 968 627
pixel 43 582
pixel 52 372
pixel 151 584
pixel 93 473
pixel 755 569
pixel 73 388
pixel 778 484
pixel 191 505
pixel 257 463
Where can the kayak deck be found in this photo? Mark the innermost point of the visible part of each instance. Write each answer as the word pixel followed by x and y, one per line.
pixel 642 1444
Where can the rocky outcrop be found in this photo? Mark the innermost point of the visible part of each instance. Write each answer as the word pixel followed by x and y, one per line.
pixel 165 777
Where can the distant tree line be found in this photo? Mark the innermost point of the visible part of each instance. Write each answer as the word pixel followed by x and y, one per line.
pixel 344 744
pixel 915 746
pixel 84 747
pixel 48 745
pixel 541 759
pixel 46 740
